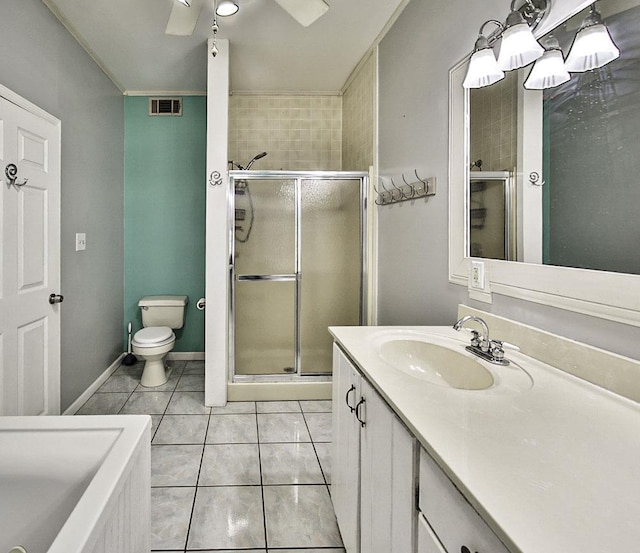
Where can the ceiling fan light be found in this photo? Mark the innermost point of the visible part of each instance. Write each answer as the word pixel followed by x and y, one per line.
pixel 226 8
pixel 306 12
pixel 592 48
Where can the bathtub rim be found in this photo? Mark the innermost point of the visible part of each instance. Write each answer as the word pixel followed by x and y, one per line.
pixel 84 522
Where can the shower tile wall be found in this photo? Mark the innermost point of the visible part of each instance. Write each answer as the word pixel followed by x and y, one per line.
pixel 298 132
pixel 493 129
pixel 358 109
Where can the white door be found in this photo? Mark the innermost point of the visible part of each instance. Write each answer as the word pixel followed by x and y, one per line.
pixel 29 259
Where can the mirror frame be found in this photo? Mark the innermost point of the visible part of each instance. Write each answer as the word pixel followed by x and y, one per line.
pixel 607 295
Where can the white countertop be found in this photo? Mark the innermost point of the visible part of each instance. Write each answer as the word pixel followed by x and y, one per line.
pixel 552 468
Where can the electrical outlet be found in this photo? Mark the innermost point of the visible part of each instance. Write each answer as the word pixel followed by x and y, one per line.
pixel 81 241
pixel 477 275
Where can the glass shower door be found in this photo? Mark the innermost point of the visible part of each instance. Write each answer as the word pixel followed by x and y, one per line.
pixel 265 278
pixel 330 267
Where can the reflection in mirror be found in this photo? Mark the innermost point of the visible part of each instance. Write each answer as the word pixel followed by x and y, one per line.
pixel 585 132
pixel 490 215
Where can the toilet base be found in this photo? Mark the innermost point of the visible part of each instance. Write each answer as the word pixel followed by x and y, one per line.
pixel 155 373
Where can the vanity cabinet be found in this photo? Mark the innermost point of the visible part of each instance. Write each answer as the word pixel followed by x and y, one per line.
pixel 372 475
pixel 447 523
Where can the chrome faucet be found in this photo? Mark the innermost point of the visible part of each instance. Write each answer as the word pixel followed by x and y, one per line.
pixel 481 344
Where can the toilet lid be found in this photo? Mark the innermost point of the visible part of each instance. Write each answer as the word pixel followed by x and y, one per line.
pixel 153 334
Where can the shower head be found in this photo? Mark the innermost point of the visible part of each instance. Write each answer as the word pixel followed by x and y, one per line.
pixel 256 158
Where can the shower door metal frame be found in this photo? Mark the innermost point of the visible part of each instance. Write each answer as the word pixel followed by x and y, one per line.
pixel 298 177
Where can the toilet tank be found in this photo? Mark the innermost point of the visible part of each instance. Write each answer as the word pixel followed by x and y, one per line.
pixel 163 310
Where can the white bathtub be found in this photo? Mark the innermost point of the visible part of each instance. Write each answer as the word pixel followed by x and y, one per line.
pixel 75 484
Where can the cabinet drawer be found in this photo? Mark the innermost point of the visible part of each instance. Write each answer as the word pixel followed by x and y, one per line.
pixel 427 541
pixel 452 518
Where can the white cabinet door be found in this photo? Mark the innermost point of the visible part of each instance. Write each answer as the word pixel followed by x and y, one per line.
pixel 456 523
pixel 428 542
pixel 29 259
pixel 345 462
pixel 387 483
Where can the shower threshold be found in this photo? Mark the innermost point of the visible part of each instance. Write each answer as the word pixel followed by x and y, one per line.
pixel 286 377
pixel 282 389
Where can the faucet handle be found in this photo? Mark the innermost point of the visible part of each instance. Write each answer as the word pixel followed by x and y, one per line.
pixel 497 348
pixel 508 345
pixel 475 338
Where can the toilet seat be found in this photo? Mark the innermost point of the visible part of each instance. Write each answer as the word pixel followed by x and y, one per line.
pixel 153 337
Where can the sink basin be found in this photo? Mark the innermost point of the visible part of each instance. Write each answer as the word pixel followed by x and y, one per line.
pixel 436 364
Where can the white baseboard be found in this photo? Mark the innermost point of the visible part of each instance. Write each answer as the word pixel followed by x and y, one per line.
pixel 73 408
pixel 186 355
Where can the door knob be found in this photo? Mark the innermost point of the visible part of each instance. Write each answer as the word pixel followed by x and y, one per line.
pixel 56 298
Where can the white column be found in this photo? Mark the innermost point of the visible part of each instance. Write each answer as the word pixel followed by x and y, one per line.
pixel 217 248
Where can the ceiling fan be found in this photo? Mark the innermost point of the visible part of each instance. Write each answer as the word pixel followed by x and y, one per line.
pixel 185 13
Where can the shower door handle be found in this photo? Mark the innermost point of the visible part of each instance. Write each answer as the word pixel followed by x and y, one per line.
pixel 266 278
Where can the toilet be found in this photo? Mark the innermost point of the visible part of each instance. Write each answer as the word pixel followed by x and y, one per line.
pixel 160 316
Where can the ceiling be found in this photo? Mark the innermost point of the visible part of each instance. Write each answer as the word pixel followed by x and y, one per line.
pixel 269 50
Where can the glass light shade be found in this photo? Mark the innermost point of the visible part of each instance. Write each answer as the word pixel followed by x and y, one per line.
pixel 483 70
pixel 548 71
pixel 226 8
pixel 185 3
pixel 592 48
pixel 518 48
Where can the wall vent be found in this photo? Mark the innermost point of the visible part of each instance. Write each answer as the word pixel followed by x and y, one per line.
pixel 165 106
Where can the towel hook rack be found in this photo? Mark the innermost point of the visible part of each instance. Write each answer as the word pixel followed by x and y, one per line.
pixel 421 188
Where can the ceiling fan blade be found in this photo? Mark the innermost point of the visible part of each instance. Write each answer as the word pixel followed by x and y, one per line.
pixel 183 19
pixel 304 12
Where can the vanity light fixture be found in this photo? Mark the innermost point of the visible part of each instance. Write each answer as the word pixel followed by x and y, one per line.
pixel 549 70
pixel 592 47
pixel 483 68
pixel 226 8
pixel 518 47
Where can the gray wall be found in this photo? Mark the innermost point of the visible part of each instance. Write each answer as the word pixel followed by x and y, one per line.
pixel 42 62
pixel 415 58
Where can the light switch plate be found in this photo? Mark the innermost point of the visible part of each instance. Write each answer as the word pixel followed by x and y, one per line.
pixel 81 241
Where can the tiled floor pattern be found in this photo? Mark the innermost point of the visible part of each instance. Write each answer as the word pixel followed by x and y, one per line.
pixel 252 476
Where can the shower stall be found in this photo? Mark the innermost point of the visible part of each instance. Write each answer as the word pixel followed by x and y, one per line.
pixel 297 266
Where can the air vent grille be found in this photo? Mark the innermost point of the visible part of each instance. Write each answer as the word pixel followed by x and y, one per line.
pixel 165 106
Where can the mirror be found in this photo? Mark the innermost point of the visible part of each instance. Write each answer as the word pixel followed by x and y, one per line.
pixel 607 293
pixel 554 175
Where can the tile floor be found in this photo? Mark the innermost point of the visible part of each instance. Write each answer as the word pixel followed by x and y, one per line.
pixel 251 476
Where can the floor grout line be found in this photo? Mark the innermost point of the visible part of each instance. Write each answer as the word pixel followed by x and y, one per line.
pixel 259 443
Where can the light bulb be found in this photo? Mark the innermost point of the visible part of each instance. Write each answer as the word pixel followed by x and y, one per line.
pixel 226 8
pixel 483 70
pixel 548 71
pixel 518 47
pixel 592 47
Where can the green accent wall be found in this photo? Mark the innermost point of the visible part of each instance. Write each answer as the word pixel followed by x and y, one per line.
pixel 164 219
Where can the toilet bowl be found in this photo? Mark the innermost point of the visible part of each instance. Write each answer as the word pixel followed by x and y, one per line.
pixel 160 315
pixel 152 344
